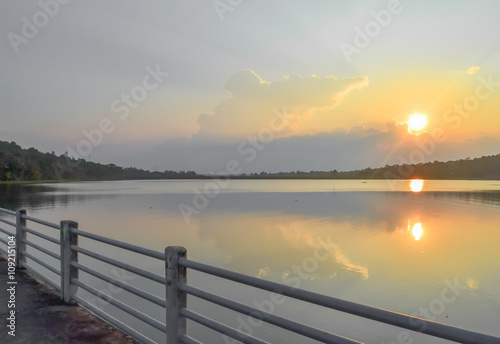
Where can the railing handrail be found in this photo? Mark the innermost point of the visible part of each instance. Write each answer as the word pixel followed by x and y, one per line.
pixel 8 222
pixel 68 243
pixel 378 314
pixel 7 232
pixel 7 211
pixel 177 289
pixel 121 244
pixel 42 222
pixel 287 324
pixel 131 289
pixel 41 235
pixel 120 264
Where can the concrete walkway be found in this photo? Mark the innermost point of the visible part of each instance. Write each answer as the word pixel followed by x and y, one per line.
pixel 42 318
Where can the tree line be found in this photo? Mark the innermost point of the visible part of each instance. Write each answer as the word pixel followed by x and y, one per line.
pixel 18 164
pixel 486 167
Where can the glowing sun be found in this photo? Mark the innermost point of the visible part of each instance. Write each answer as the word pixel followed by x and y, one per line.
pixel 416 123
pixel 416 185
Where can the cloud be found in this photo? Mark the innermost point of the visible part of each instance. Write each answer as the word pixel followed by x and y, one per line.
pixel 245 83
pixel 231 131
pixel 472 70
pixel 252 101
pixel 343 149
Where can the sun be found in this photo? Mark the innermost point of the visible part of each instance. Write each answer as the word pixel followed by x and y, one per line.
pixel 416 185
pixel 416 123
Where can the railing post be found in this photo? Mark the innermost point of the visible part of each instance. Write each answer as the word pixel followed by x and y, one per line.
pixel 176 299
pixel 20 236
pixel 67 256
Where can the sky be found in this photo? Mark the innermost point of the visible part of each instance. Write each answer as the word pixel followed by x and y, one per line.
pixel 274 86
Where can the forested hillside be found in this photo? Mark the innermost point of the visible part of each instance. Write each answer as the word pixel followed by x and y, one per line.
pixel 18 164
pixel 486 167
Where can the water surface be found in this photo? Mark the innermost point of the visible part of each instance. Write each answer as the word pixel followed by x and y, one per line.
pixel 429 248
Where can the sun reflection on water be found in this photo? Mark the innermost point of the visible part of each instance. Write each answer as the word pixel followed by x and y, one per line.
pixel 416 185
pixel 417 231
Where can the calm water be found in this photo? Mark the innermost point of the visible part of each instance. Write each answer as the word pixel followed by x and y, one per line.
pixel 428 248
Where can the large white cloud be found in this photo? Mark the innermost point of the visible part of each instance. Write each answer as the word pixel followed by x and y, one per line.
pixel 252 101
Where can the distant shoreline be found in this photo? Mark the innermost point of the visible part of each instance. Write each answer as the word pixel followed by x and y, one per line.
pixel 18 165
pixel 20 182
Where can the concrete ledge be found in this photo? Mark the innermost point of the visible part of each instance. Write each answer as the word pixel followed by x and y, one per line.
pixel 42 317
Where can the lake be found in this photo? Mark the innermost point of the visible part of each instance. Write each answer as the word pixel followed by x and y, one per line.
pixel 428 248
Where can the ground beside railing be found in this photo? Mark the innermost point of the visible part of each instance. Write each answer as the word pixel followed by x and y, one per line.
pixel 43 318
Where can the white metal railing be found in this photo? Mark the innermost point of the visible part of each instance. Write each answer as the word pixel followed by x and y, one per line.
pixel 177 290
pixel 21 242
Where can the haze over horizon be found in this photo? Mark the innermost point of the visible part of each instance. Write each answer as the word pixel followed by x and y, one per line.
pixel 276 87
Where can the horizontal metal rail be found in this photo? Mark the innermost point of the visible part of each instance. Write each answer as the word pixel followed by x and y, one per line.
pixel 42 222
pixel 10 212
pixel 368 312
pixel 221 328
pixel 113 321
pixel 40 276
pixel 188 340
pixel 6 231
pixel 377 314
pixel 140 272
pixel 8 222
pixel 45 265
pixel 41 235
pixel 42 249
pixel 120 305
pixel 120 244
pixel 131 289
pixel 287 324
